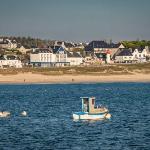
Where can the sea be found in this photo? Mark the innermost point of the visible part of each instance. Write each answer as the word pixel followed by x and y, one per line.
pixel 49 124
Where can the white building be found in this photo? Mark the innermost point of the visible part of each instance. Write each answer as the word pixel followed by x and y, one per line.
pixel 102 47
pixel 140 54
pixel 125 56
pixel 10 61
pixel 56 56
pixel 42 58
pixel 74 58
pixel 60 56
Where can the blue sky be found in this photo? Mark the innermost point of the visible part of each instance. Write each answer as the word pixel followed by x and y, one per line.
pixel 76 20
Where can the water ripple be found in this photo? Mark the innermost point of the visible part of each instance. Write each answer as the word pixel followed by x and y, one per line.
pixel 49 123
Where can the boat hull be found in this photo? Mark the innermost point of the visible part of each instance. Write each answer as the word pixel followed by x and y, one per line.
pixel 87 116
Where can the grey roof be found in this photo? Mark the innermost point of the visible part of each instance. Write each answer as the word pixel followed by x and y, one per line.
pixel 73 54
pixel 125 52
pixel 44 50
pixel 13 41
pixel 55 49
pixel 101 44
pixel 4 42
pixel 9 57
pixel 68 44
pixel 33 46
pixel 140 49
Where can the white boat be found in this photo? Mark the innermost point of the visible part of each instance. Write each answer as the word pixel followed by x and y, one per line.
pixel 4 114
pixel 90 112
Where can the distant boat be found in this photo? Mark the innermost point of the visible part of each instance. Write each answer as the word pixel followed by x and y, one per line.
pixel 4 114
pixel 24 113
pixel 90 112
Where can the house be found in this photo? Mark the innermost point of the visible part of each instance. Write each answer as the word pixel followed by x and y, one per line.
pixel 22 49
pixel 140 54
pixel 74 58
pixel 125 56
pixel 102 46
pixel 79 45
pixel 69 46
pixel 65 45
pixel 42 58
pixel 54 56
pixel 10 61
pixel 8 44
pixel 60 56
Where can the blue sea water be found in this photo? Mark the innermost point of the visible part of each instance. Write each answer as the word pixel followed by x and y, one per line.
pixel 49 123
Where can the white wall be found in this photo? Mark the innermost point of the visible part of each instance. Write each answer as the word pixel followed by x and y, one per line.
pixel 43 57
pixel 61 57
pixel 75 61
pixel 11 63
pixel 140 57
pixel 34 58
pixel 47 57
pixel 123 58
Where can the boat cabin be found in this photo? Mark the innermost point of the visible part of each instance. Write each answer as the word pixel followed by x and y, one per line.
pixel 88 105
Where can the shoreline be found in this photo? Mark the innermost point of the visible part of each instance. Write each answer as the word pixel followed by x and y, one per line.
pixel 29 78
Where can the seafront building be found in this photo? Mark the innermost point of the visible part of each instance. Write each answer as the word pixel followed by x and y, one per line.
pixel 55 56
pixel 10 61
pixel 61 53
pixel 125 56
pixel 137 55
pixel 60 56
pixel 140 54
pixel 74 58
pixel 102 47
pixel 101 51
pixel 42 58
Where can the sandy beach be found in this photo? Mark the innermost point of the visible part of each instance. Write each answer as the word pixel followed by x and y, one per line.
pixel 39 78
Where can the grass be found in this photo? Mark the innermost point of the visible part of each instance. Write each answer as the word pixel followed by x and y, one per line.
pixel 92 70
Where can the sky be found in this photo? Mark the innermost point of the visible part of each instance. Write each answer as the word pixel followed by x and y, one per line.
pixel 76 20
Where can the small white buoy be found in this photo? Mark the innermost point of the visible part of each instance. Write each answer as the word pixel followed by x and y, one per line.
pixel 24 113
pixel 4 114
pixel 108 116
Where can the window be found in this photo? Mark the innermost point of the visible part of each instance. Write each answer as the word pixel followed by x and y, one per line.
pixel 92 101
